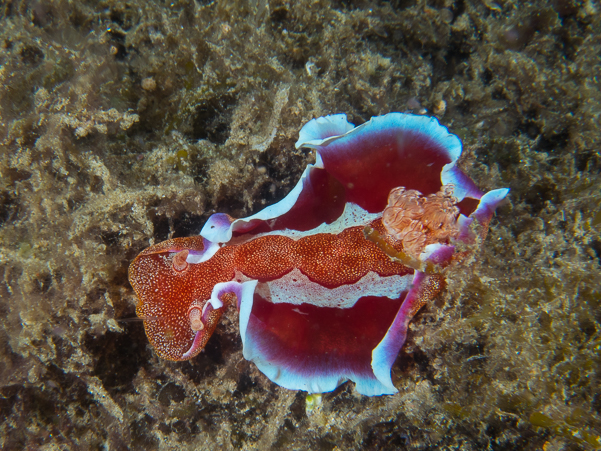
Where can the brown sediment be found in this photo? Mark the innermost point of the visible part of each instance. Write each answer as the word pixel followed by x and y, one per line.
pixel 125 124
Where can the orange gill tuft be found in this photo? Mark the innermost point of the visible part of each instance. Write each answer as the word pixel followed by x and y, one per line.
pixel 417 221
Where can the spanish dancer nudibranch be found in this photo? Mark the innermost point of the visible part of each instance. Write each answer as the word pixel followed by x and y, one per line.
pixel 326 280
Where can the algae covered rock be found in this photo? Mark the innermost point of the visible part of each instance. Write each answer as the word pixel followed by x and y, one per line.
pixel 125 124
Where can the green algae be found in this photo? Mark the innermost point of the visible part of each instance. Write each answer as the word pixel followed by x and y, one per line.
pixel 569 428
pixel 596 219
pixel 539 419
pixel 507 357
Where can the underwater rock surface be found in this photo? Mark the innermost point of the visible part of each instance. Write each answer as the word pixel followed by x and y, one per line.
pixel 125 124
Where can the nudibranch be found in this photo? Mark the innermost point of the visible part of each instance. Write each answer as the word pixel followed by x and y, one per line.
pixel 326 280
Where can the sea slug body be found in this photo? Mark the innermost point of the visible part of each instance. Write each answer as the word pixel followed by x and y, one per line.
pixel 327 279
